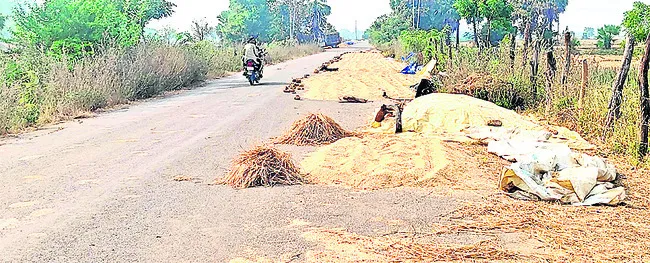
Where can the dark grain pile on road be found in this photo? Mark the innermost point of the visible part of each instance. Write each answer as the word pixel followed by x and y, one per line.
pixel 312 130
pixel 361 75
pixel 263 166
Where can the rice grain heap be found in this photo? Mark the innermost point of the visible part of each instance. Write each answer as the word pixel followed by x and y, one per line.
pixel 313 130
pixel 263 166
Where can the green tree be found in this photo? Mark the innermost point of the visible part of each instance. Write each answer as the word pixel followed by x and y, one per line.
pixel 589 33
pixel 637 20
pixel 387 28
pixel 606 35
pixel 497 14
pixel 144 11
pixel 2 22
pixel 273 19
pixel 245 18
pixel 79 27
pixel 469 10
pixel 319 12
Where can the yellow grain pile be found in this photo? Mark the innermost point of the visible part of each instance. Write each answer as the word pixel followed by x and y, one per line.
pixel 362 75
pixel 376 161
pixel 451 113
pixel 379 161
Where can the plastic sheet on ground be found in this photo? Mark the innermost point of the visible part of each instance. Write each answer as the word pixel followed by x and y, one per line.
pixel 553 172
pixel 410 69
pixel 427 69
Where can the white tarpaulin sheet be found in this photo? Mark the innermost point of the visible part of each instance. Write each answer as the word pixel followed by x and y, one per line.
pixel 553 172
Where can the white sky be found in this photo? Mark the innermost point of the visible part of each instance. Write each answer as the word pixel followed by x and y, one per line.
pixel 579 14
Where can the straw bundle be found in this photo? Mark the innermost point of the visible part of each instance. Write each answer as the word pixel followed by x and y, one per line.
pixel 315 129
pixel 263 166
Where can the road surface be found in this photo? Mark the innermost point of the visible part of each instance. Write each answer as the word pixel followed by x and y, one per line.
pixel 102 189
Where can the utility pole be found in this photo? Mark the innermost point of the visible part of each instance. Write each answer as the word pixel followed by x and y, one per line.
pixel 356 37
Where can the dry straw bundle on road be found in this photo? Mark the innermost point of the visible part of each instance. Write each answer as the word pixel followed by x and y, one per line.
pixel 314 129
pixel 263 166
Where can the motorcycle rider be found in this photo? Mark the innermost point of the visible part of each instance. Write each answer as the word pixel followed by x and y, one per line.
pixel 254 52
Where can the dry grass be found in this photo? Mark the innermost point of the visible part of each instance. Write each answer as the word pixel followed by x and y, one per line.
pixel 584 234
pixel 36 89
pixel 263 166
pixel 314 129
pixel 342 246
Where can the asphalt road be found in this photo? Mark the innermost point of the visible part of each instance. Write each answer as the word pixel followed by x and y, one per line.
pixel 102 189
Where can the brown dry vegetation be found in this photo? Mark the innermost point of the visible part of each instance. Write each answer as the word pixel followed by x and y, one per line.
pixel 314 129
pixel 564 110
pixel 36 89
pixel 262 166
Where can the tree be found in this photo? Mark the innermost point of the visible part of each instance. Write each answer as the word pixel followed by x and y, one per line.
pixel 274 19
pixel 144 11
pixel 78 27
pixel 589 33
pixel 3 19
pixel 469 10
pixel 245 18
pixel 637 20
pixel 387 28
pixel 73 27
pixel 320 10
pixel 201 30
pixel 497 14
pixel 606 35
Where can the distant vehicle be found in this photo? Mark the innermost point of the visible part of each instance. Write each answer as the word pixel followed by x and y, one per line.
pixel 252 70
pixel 332 40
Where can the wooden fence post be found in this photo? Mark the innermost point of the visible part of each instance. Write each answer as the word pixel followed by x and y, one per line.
pixel 583 87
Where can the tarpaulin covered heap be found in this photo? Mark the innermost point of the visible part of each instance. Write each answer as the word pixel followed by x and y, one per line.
pixel 551 171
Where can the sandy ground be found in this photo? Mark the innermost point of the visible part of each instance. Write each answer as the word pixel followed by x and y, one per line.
pixel 103 189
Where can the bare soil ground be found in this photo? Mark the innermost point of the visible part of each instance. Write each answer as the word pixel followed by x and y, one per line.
pixel 135 185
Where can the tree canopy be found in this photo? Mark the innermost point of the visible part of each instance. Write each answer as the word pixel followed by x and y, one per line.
pixel 589 33
pixel 606 35
pixel 637 20
pixel 77 27
pixel 274 19
pixel 2 22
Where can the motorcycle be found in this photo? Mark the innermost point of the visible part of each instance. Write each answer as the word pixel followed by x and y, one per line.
pixel 252 70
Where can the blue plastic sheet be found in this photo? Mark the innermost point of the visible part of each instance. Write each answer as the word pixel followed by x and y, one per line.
pixel 407 58
pixel 411 69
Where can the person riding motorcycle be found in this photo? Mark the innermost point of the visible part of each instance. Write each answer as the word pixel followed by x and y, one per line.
pixel 252 51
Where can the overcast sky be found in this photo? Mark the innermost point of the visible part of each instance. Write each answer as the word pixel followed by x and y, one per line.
pixel 579 14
